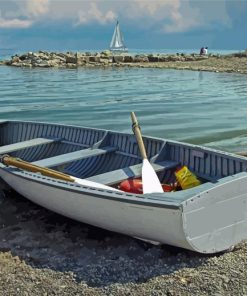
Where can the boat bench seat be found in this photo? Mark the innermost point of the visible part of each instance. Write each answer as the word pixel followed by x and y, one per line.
pixel 73 156
pixel 25 144
pixel 119 175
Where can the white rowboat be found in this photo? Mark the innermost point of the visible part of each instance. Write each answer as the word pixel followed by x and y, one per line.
pixel 208 218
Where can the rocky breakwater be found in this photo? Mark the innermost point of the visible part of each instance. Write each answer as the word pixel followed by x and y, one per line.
pixel 213 62
pixel 45 59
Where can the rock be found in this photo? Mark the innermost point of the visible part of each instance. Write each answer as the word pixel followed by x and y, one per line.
pixel 23 57
pixel 153 59
pixel 163 58
pixel 71 65
pixel 15 59
pixel 172 58
pixel 224 63
pixel 105 62
pixel 94 59
pixel 107 53
pixel 55 63
pixel 16 64
pixel 42 65
pixel 128 59
pixel 59 58
pixel 81 61
pixel 118 59
pixel 35 61
pixel 71 60
pixel 140 59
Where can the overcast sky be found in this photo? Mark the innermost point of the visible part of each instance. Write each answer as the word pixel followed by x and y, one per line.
pixel 153 24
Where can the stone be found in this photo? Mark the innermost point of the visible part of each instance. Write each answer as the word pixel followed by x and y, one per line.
pixel 94 59
pixel 153 59
pixel 163 58
pixel 60 58
pixel 15 59
pixel 106 53
pixel 172 58
pixel 71 60
pixel 118 59
pixel 71 65
pixel 140 59
pixel 128 59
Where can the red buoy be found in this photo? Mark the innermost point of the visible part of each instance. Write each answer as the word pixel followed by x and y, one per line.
pixel 135 186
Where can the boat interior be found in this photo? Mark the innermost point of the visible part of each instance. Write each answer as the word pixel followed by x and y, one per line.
pixel 109 157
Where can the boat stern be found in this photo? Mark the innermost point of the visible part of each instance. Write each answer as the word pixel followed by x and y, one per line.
pixel 215 219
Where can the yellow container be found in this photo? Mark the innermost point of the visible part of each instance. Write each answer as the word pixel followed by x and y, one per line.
pixel 186 178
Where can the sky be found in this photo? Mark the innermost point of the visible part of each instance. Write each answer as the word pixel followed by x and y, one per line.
pixel 145 24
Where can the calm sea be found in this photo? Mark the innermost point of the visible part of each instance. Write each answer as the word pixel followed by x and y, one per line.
pixel 196 107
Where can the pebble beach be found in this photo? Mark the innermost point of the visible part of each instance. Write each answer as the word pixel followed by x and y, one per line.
pixel 42 253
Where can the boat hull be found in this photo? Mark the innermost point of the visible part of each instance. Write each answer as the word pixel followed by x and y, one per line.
pixel 207 223
pixel 209 218
pixel 157 224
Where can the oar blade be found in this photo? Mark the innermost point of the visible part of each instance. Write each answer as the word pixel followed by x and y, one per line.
pixel 84 182
pixel 150 181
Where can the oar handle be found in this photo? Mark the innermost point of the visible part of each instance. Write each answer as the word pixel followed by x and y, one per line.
pixel 12 161
pixel 137 132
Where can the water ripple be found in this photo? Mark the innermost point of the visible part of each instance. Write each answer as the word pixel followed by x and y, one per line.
pixel 198 107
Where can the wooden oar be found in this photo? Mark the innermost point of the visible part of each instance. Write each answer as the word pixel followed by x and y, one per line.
pixel 150 180
pixel 21 164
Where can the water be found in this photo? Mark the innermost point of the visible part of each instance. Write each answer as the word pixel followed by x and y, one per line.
pixel 197 107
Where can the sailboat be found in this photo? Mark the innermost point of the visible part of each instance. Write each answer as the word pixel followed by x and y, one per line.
pixel 117 42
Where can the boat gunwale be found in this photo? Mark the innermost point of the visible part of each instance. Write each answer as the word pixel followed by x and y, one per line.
pixel 167 199
pixel 168 141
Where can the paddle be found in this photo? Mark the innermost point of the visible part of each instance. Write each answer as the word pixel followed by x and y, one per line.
pixel 150 181
pixel 16 162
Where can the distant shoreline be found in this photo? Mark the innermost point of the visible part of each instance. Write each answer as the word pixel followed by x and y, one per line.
pixel 231 63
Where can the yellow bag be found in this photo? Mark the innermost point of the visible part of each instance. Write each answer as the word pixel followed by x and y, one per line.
pixel 186 178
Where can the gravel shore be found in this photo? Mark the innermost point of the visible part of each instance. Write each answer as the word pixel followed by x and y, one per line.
pixel 42 253
pixel 229 64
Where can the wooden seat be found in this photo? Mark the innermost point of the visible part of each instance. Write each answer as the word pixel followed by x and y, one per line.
pixel 25 144
pixel 119 175
pixel 72 156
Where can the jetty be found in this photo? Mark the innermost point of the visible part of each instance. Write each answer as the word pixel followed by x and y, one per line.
pixel 236 63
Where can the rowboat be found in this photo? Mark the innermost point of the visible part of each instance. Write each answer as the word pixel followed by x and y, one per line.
pixel 208 218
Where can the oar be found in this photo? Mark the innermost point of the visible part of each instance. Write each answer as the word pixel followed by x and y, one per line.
pixel 150 181
pixel 16 162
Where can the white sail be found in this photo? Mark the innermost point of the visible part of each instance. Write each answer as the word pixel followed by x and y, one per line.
pixel 117 42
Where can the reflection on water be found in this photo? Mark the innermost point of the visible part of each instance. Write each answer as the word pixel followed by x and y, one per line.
pixel 200 75
pixel 199 107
